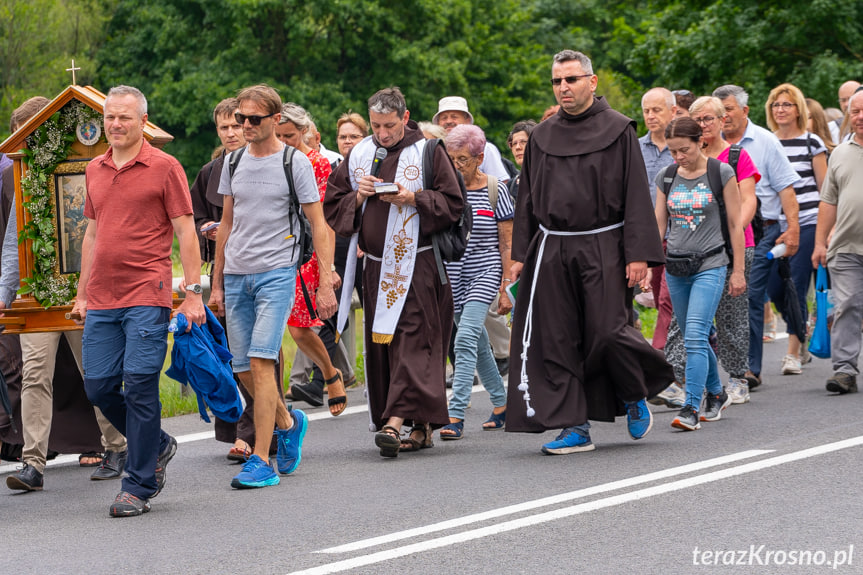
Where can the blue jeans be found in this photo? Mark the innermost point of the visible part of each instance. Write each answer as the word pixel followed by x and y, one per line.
pixel 758 278
pixel 801 275
pixel 257 307
pixel 695 299
pixel 473 353
pixel 128 346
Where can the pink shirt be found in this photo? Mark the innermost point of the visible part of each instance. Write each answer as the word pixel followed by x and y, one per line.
pixel 133 208
pixel 745 169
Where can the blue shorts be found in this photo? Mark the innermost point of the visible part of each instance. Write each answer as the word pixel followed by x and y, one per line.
pixel 257 307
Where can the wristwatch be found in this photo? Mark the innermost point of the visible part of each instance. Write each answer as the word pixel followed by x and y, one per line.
pixel 195 288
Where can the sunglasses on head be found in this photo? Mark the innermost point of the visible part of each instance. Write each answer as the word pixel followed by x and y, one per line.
pixel 253 120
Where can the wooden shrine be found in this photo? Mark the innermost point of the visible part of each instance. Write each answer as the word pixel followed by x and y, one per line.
pixel 53 148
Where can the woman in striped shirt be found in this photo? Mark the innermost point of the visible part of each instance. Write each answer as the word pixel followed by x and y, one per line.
pixel 477 278
pixel 787 116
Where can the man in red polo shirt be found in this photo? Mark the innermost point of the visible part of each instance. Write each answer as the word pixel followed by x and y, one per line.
pixel 137 198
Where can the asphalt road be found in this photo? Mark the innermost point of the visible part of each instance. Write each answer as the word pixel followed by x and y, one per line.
pixel 775 485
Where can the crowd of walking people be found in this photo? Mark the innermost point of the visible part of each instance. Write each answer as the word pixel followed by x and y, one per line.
pixel 440 237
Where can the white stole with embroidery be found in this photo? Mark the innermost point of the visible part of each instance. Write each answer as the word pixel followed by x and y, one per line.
pixel 400 245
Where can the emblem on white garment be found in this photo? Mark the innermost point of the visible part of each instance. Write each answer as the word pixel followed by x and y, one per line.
pixel 359 173
pixel 88 132
pixel 412 172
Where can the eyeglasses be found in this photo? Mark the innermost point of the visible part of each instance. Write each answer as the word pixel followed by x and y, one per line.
pixel 681 93
pixel 569 79
pixel 462 161
pixel 783 105
pixel 346 137
pixel 253 120
pixel 703 120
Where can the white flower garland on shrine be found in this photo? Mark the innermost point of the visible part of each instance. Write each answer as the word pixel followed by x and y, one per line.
pixel 47 146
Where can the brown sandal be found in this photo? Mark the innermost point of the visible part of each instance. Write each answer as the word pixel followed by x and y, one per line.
pixel 389 441
pixel 340 402
pixel 409 443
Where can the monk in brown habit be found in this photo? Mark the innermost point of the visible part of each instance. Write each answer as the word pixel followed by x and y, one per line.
pixel 409 311
pixel 584 235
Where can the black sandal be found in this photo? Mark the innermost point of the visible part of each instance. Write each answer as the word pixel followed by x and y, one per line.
pixel 411 444
pixel 389 440
pixel 341 400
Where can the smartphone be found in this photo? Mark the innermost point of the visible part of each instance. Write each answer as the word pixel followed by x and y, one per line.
pixel 212 226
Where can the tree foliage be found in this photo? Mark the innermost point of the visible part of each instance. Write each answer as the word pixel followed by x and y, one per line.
pixel 330 56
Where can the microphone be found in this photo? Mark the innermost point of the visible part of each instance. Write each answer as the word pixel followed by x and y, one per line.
pixel 380 154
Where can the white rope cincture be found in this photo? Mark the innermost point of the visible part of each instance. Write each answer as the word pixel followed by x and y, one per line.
pixel 523 385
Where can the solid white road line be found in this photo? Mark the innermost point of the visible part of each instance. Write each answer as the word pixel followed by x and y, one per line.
pixel 545 501
pixel 570 511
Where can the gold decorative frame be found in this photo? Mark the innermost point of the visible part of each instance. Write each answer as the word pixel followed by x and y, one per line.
pixel 68 188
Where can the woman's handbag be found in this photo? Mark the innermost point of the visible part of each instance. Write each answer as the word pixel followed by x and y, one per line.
pixel 819 343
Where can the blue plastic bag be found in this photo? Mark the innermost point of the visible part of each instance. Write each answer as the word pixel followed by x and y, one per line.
pixel 819 343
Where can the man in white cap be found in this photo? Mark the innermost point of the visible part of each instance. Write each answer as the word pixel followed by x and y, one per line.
pixel 452 111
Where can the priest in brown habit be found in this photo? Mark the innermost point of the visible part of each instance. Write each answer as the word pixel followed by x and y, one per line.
pixel 584 235
pixel 409 311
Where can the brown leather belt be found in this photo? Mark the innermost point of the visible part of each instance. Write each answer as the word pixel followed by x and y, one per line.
pixel 770 222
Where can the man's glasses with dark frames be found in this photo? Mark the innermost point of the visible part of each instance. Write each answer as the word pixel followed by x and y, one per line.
pixel 253 120
pixel 569 79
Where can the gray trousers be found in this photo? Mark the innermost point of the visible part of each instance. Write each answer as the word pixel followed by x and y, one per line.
pixel 846 281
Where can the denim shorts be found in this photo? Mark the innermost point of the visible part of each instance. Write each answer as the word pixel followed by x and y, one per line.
pixel 257 308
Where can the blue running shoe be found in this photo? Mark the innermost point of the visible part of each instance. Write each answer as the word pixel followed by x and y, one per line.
pixel 639 420
pixel 255 473
pixel 569 441
pixel 290 442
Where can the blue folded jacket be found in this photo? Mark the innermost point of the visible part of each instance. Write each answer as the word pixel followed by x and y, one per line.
pixel 200 358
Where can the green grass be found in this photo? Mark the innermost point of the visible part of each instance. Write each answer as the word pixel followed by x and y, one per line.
pixel 175 403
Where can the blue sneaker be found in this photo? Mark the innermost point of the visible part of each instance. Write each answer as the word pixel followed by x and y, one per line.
pixel 255 473
pixel 639 420
pixel 569 441
pixel 290 442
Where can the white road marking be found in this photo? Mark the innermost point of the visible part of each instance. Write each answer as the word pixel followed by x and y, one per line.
pixel 544 502
pixel 578 509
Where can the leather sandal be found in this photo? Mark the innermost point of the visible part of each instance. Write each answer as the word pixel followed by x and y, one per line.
pixel 497 419
pixel 389 441
pixel 340 402
pixel 410 443
pixel 456 428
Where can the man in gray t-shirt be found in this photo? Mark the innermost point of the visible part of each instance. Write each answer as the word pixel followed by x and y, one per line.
pixel 254 277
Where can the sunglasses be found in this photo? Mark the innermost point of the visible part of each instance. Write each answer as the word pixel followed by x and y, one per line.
pixel 569 79
pixel 253 120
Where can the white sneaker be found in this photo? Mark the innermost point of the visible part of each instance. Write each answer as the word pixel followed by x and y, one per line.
pixel 672 396
pixel 791 365
pixel 738 390
pixel 805 356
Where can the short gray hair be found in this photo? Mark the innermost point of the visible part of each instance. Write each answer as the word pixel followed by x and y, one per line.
pixel 130 91
pixel 387 101
pixel 297 115
pixel 730 90
pixel 857 94
pixel 570 55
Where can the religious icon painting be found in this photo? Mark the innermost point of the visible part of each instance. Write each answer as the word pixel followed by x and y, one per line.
pixel 88 132
pixel 70 190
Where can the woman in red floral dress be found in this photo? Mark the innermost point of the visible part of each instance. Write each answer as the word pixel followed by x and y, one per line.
pixel 293 124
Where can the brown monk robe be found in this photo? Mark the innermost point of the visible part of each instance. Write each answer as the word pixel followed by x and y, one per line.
pixel 585 358
pixel 405 378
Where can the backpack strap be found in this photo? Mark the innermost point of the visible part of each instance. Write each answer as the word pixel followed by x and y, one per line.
pixel 235 161
pixel 300 238
pixel 428 183
pixel 668 179
pixel 493 192
pixel 714 178
pixel 734 157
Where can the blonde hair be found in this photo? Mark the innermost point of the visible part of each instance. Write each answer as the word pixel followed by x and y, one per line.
pixel 796 96
pixel 819 123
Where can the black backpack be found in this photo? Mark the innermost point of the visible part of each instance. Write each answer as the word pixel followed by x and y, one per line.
pixel 714 178
pixel 304 238
pixel 450 244
pixel 757 222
